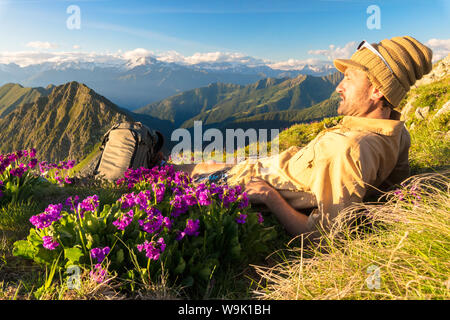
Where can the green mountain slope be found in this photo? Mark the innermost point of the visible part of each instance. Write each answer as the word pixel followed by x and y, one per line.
pixel 188 104
pixel 13 95
pixel 281 119
pixel 65 124
pixel 268 96
pixel 278 99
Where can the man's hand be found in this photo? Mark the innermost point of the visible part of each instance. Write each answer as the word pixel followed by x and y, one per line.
pixel 259 191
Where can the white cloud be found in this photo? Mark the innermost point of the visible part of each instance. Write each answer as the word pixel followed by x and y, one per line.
pixel 76 46
pixel 440 47
pixel 41 45
pixel 210 57
pixel 294 64
pixel 136 54
pixel 26 58
pixel 334 52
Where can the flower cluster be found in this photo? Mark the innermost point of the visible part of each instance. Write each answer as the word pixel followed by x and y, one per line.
pixel 154 221
pixel 56 172
pixel 45 219
pixel 191 229
pixel 18 162
pixel 123 221
pixel 14 158
pixel 98 274
pixel 152 249
pixel 100 253
pixel 241 218
pixel 48 243
pixel 89 204
pixel 135 177
pixel 164 217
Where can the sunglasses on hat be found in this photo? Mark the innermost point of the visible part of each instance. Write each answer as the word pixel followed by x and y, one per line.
pixel 365 44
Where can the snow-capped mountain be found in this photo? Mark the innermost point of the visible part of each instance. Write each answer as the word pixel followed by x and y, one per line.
pixel 136 80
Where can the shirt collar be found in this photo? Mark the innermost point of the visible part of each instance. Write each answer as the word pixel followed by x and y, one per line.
pixel 385 127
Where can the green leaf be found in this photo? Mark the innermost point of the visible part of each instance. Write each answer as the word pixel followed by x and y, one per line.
pixel 73 255
pixel 187 282
pixel 34 237
pixel 181 266
pixel 204 273
pixel 120 256
pixel 45 256
pixel 24 249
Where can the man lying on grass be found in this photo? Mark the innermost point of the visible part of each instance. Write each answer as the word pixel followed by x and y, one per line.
pixel 369 148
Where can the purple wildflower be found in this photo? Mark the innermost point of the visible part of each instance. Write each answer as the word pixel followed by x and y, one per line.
pixel 99 253
pixel 241 218
pixel 143 199
pixel 51 214
pixel 399 194
pixel 32 153
pixel 98 274
pixel 260 218
pixel 153 222
pixel 90 203
pixel 72 202
pixel 123 221
pixel 243 200
pixel 192 227
pixel 67 180
pixel 128 200
pixel 159 190
pixel 32 163
pixel 180 235
pixel 179 206
pixel 48 243
pixel 152 250
pixel 203 198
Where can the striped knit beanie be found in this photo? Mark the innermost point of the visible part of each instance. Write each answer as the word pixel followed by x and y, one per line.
pixel 392 66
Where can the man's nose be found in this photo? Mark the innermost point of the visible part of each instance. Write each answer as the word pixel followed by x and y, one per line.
pixel 339 87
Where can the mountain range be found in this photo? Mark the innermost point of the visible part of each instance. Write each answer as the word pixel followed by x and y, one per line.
pixel 69 120
pixel 136 82
pixel 274 102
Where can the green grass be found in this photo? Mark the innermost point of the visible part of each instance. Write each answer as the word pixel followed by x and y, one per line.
pixel 409 247
pixel 430 149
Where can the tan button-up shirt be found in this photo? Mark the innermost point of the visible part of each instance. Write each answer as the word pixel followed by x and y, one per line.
pixel 335 169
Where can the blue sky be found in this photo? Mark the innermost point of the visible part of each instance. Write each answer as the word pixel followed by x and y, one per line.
pixel 274 30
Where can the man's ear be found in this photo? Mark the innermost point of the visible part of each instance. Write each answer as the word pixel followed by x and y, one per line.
pixel 376 94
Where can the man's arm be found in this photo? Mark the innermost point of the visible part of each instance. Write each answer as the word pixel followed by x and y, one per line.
pixel 259 191
pixel 194 170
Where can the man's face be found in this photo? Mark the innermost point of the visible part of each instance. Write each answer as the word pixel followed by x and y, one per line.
pixel 355 91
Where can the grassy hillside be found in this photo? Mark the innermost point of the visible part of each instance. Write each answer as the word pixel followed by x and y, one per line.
pixel 13 95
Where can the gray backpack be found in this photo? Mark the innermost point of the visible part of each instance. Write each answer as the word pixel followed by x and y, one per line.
pixel 127 145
